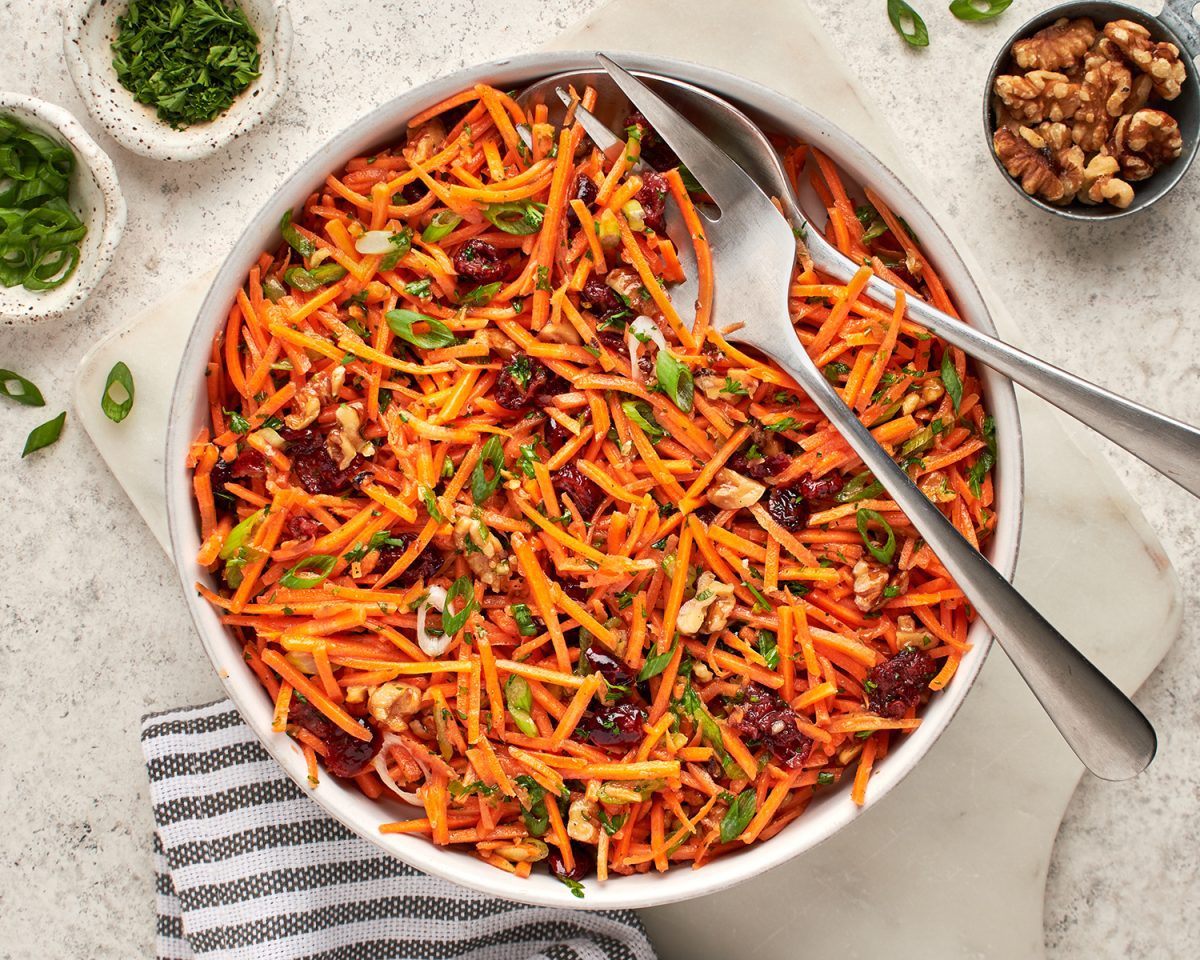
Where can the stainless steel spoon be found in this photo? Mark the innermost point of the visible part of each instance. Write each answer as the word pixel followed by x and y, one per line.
pixel 554 88
pixel 754 253
pixel 1168 445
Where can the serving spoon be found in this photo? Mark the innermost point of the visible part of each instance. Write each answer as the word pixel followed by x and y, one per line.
pixel 545 91
pixel 1168 445
pixel 1104 728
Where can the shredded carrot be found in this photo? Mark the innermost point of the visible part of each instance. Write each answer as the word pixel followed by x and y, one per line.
pixel 578 568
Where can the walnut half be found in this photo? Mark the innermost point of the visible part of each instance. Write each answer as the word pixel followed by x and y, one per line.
pixel 1159 60
pixel 1060 45
pixel 1039 95
pixel 1052 174
pixel 1144 141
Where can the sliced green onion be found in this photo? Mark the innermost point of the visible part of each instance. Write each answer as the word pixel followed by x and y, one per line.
pixel 320 564
pixel 524 617
pixel 950 380
pixel 16 387
pixel 676 381
pixel 519 700
pixel 294 238
pixel 461 592
pixel 483 486
pixel 979 10
pixel 117 399
pixel 273 289
pixel 401 322
pixel 908 23
pixel 521 217
pixel 480 295
pixel 44 435
pixel 884 554
pixel 639 412
pixel 863 486
pixel 739 815
pixel 239 534
pixel 441 224
pixel 658 663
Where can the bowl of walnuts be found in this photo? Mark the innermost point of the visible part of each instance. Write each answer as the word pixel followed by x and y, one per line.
pixel 1093 109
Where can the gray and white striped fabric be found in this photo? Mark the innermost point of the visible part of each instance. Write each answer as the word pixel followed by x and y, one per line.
pixel 248 866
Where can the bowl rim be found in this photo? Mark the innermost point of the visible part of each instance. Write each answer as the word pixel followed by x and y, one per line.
pixel 1100 213
pixel 111 215
pixel 362 816
pixel 162 142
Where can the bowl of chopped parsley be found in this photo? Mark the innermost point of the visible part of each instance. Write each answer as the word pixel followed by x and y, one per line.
pixel 178 79
pixel 61 210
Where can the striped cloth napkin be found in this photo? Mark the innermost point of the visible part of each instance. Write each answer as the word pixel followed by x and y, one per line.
pixel 248 866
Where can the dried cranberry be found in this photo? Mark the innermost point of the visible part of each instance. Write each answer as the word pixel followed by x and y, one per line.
pixel 759 467
pixel 348 756
pixel 301 528
pixel 413 192
pixel 654 149
pixel 615 724
pixel 556 435
pixel 604 663
pixel 706 514
pixel 617 344
pixel 480 261
pixel 303 440
pixel 317 472
pixel 525 382
pixel 428 562
pixel 585 861
pixel 821 491
pixel 787 507
pixel 584 493
pixel 600 298
pixel 895 685
pixel 653 198
pixel 766 717
pixel 248 463
pixel 585 189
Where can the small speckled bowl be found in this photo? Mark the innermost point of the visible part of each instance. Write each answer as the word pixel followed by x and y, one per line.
pixel 95 196
pixel 89 29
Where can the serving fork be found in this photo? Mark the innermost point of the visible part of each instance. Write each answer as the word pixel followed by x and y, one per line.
pixel 754 255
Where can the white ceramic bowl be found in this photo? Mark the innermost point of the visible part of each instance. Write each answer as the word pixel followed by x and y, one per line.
pixel 95 196
pixel 830 811
pixel 90 27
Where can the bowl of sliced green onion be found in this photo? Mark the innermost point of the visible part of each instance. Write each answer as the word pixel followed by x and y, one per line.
pixel 61 210
pixel 177 81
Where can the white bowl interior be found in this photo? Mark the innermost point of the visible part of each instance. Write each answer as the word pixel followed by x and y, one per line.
pixel 95 196
pixel 830 811
pixel 90 27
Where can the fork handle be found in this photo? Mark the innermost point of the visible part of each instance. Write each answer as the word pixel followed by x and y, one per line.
pixel 1104 728
pixel 1169 446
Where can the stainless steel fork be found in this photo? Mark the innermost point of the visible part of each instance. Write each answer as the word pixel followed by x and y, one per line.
pixel 754 255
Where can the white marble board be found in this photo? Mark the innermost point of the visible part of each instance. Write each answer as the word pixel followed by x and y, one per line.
pixel 974 825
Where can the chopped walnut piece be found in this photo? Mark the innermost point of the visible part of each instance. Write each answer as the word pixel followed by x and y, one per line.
pixel 731 491
pixel 1160 61
pixel 871 579
pixel 1106 88
pixel 936 487
pixel 1144 141
pixel 1054 175
pixel 581 820
pixel 1101 183
pixel 709 610
pixel 1039 95
pixel 392 703
pixel 1062 44
pixel 485 556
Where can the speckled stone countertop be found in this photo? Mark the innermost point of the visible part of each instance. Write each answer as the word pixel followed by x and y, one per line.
pixel 94 630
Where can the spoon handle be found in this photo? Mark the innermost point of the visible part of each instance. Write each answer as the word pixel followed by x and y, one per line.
pixel 1169 446
pixel 1104 728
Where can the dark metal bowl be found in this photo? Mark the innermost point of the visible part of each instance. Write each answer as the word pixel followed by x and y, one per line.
pixel 1175 24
